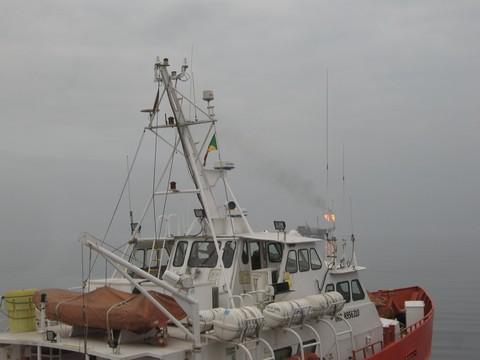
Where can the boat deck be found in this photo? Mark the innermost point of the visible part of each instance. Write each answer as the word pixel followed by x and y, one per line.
pixel 97 346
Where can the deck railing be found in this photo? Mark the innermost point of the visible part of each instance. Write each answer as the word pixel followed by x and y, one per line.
pixel 416 325
pixel 370 349
pixel 367 350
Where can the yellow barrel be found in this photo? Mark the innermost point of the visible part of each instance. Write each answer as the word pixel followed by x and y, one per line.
pixel 20 309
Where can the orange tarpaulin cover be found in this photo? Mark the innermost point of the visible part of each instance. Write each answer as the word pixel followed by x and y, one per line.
pixel 108 308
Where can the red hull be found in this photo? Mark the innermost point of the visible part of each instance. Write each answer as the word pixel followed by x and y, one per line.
pixel 416 341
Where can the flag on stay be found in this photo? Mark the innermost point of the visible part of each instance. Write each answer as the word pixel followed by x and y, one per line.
pixel 211 147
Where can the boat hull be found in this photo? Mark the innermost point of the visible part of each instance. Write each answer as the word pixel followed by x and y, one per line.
pixel 415 342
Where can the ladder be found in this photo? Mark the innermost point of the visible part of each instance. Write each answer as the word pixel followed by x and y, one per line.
pixel 349 332
pixel 243 345
pixel 301 342
pixel 298 317
pixel 252 327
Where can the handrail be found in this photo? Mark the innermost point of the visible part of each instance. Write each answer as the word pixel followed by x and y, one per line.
pixel 405 332
pixel 414 326
pixel 365 348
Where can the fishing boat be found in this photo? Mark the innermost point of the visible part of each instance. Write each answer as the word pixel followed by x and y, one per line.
pixel 216 289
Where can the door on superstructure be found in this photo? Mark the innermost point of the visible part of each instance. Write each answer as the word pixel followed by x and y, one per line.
pixel 244 267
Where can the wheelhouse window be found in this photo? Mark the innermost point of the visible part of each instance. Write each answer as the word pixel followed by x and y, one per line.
pixel 245 253
pixel 343 288
pixel 291 265
pixel 203 254
pixel 315 261
pixel 329 288
pixel 357 291
pixel 163 256
pixel 303 261
pixel 274 252
pixel 255 257
pixel 180 253
pixel 137 258
pixel 152 258
pixel 228 253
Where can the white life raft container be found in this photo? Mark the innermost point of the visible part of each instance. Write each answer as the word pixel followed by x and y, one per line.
pixel 284 313
pixel 233 323
pixel 329 303
pixel 207 317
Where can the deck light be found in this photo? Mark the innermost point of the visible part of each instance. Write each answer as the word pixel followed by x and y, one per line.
pixel 199 213
pixel 279 225
pixel 51 336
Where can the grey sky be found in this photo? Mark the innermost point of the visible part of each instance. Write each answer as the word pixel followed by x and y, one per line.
pixel 404 85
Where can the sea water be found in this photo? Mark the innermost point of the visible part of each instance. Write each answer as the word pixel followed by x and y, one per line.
pixel 449 270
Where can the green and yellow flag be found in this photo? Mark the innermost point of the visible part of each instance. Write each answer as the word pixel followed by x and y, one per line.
pixel 211 147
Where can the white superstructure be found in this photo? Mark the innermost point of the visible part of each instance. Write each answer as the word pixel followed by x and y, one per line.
pixel 247 295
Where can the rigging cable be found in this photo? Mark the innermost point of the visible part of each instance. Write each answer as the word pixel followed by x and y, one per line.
pixel 352 260
pixel 149 203
pixel 119 199
pixel 193 86
pixel 129 196
pixel 326 132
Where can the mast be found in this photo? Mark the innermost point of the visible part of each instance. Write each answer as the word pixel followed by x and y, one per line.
pixel 195 167
pixel 197 171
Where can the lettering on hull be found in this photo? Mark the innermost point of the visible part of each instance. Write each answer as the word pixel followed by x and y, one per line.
pixel 351 314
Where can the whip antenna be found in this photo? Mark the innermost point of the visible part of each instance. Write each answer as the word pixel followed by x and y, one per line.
pixel 326 117
pixel 130 211
pixel 193 86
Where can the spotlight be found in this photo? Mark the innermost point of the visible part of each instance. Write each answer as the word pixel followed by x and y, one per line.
pixel 279 225
pixel 199 213
pixel 51 336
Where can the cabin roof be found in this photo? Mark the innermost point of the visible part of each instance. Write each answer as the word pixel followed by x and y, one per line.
pixel 291 237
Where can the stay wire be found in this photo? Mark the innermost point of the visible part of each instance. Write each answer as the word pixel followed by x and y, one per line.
pixel 119 199
pixel 140 222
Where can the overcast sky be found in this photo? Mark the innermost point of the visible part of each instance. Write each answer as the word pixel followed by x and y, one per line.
pixel 403 102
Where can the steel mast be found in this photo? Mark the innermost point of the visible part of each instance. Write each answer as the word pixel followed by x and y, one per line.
pixel 197 171
pixel 205 195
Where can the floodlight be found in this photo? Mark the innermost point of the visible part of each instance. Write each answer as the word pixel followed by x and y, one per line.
pixel 134 225
pixel 51 336
pixel 199 213
pixel 279 225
